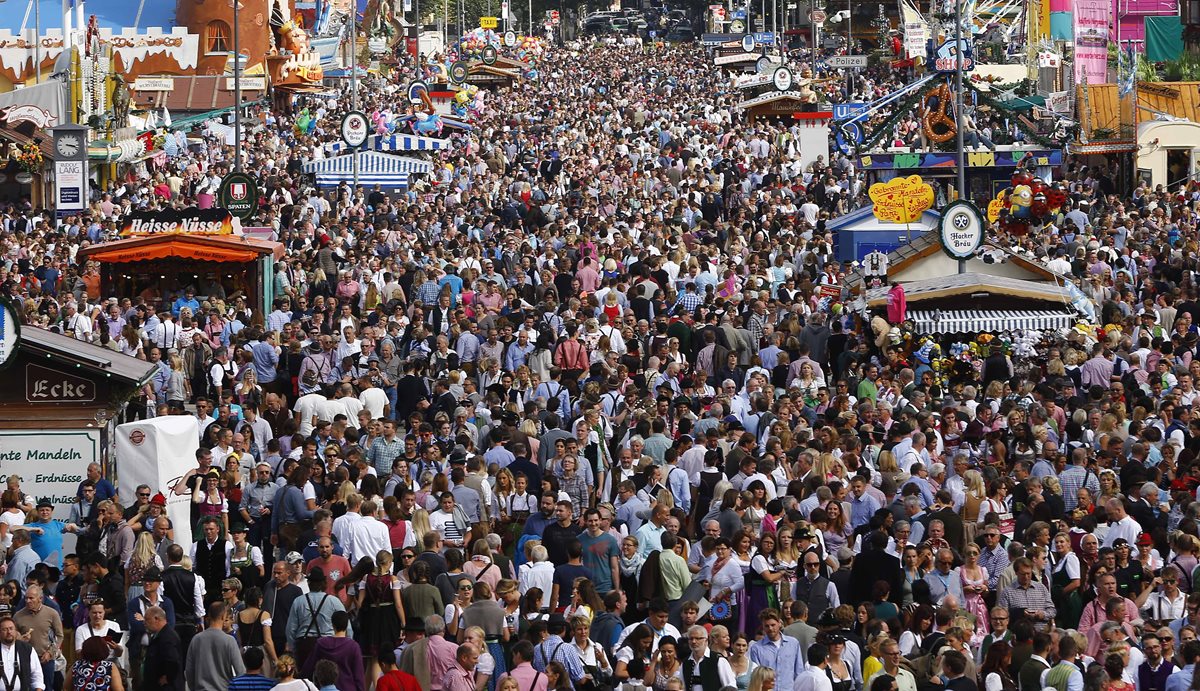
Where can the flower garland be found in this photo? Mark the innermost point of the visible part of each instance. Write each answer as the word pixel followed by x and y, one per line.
pixel 29 157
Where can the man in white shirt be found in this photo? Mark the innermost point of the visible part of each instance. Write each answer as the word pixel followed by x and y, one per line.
pixel 306 410
pixel 18 656
pixel 814 678
pixel 344 528
pixel 698 666
pixel 79 326
pixel 370 535
pixel 1122 525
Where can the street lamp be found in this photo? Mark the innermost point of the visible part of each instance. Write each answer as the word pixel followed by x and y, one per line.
pixel 237 89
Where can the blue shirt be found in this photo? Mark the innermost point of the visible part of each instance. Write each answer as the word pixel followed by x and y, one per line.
pixel 862 509
pixel 251 682
pixel 455 284
pixel 104 490
pixel 265 362
pixel 681 488
pixel 551 390
pixel 49 541
pixel 182 302
pixel 783 656
pixel 923 485
pixel 1180 680
pixel 515 356
pixel 499 455
pixel 598 553
pixel 553 650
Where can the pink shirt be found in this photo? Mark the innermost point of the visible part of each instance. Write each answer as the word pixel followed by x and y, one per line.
pixel 527 677
pixel 441 657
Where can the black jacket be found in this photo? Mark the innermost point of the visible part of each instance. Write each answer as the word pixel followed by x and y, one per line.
pixel 870 566
pixel 163 669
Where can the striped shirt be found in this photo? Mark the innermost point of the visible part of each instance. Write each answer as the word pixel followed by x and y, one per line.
pixel 251 682
pixel 554 649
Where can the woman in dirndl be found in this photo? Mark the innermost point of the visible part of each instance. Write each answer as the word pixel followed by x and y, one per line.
pixel 381 611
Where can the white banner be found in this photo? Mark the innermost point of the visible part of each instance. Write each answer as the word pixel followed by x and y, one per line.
pixel 916 31
pixel 1059 101
pixel 158 452
pixel 51 462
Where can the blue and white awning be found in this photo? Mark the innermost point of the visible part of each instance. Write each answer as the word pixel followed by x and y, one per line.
pixel 397 142
pixel 979 321
pixel 373 169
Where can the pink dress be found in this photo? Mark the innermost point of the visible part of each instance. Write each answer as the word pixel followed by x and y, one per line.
pixel 973 603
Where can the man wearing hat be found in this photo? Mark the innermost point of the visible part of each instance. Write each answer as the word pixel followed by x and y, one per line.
pixel 139 636
pixel 311 617
pixel 47 533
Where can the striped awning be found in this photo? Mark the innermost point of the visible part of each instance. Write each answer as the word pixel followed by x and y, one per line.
pixel 397 142
pixel 373 168
pixel 979 321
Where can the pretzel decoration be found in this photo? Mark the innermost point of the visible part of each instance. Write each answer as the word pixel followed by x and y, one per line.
pixel 938 123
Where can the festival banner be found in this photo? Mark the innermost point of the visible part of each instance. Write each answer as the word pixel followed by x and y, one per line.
pixel 916 31
pixel 1093 22
pixel 901 200
pixel 192 221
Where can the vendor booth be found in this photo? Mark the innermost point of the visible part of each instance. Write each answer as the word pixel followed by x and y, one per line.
pixel 57 408
pixel 165 255
pixel 374 168
pixel 860 233
pixel 994 289
pixel 396 142
pixel 975 303
pixel 1167 152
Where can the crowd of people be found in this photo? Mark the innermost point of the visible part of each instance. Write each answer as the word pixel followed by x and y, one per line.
pixel 580 415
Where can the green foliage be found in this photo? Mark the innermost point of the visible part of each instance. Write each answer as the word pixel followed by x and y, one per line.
pixel 1185 68
pixel 1145 70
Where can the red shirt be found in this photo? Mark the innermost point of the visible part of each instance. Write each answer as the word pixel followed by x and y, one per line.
pixel 396 680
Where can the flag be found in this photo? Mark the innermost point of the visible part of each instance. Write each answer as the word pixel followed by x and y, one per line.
pixel 1126 71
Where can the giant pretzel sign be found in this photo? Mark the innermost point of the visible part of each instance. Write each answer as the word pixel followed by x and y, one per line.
pixel 937 121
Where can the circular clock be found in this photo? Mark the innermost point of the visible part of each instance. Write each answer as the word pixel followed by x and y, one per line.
pixel 67 145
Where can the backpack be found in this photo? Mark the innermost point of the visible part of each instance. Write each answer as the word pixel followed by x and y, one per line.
pixel 312 377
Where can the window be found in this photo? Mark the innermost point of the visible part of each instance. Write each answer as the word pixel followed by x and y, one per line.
pixel 216 37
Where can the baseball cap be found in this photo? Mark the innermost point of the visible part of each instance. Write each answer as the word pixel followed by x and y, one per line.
pixel 294 558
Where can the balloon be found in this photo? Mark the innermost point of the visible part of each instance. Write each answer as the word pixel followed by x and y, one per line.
pixel 1037 185
pixel 1056 197
pixel 1016 227
pixel 994 208
pixel 1022 199
pixel 1039 208
pixel 1021 177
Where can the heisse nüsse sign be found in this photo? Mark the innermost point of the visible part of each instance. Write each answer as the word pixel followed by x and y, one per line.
pixel 192 221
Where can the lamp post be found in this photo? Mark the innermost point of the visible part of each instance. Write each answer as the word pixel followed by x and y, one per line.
pixel 37 42
pixel 237 90
pixel 417 57
pixel 958 101
pixel 354 79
